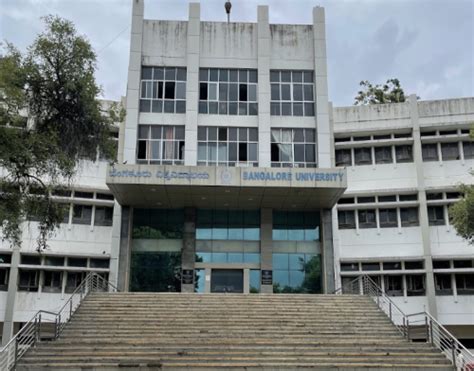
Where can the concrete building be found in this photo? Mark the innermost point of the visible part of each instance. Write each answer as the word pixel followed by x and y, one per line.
pixel 231 168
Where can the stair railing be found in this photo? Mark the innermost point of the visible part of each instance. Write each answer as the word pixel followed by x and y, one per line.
pixel 417 326
pixel 47 325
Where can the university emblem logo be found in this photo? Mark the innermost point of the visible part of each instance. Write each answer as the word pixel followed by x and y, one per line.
pixel 226 176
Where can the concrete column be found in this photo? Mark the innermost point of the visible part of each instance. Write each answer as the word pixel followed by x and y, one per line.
pixel 188 253
pixel 123 275
pixel 133 83
pixel 266 248
pixel 192 84
pixel 327 252
pixel 323 131
pixel 247 281
pixel 263 63
pixel 115 245
pixel 11 296
pixel 423 213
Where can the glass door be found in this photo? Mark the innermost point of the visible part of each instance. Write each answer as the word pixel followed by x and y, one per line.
pixel 227 280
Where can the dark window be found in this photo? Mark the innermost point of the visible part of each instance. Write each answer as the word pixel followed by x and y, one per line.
pixel 346 200
pixel 392 266
pixel 402 135
pixel 343 157
pixel 342 139
pixel 404 153
pixel 436 215
pixel 367 219
pixel 4 273
pixel 73 280
pixel 382 136
pixel 362 156
pixel 103 215
pixel 346 219
pixel 393 285
pixel 28 280
pixel 441 264
pixel 5 259
pixel 365 200
pixel 82 214
pixel 428 133
pixel 453 195
pixel 83 194
pixel 99 263
pixel 362 138
pixel 434 196
pixel 430 152
pixel 391 198
pixel 52 281
pixel 443 284
pixel 450 151
pixel 468 149
pixel 409 216
pixel 414 264
pixel 383 155
pixel 370 266
pixel 30 260
pixel 412 197
pixel 77 262
pixel 462 263
pixel 465 283
pixel 388 218
pixel 54 260
pixel 415 284
pixel 104 196
pixel 349 267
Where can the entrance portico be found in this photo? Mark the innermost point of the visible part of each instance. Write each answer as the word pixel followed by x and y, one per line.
pixel 206 229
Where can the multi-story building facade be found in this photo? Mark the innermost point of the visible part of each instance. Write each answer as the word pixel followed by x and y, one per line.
pixel 231 168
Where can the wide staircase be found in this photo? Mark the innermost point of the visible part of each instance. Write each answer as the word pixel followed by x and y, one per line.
pixel 142 331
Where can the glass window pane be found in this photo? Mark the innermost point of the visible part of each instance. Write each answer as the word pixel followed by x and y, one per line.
pixel 203 91
pixel 223 92
pixel 158 73
pixel 181 106
pixel 275 109
pixel 219 257
pixel 157 106
pixel 252 93
pixel 310 153
pixel 253 135
pixel 280 261
pixel 212 151
pixel 251 234
pixel 296 278
pixel 253 76
pixel 299 152
pixel 296 262
pixel 285 92
pixel 233 75
pixel 232 151
pixel 285 76
pixel 147 73
pixel 212 133
pixel 170 73
pixel 169 106
pixel 233 88
pixel 243 75
pixel 308 93
pixel 213 74
pixel 223 75
pixel 296 234
pixel 251 257
pixel 253 152
pixel 219 234
pixel 309 135
pixel 213 107
pixel 236 233
pixel 145 105
pixel 274 76
pixel 181 74
pixel 143 131
pixel 203 107
pixel 233 108
pixel 222 155
pixel 286 109
pixel 202 151
pixel 212 91
pixel 235 257
pixel 297 76
pixel 202 131
pixel 155 150
pixel 308 76
pixel 297 92
pixel 204 74
pixel 222 108
pixel 297 109
pixel 275 91
pixel 279 234
pixel 309 109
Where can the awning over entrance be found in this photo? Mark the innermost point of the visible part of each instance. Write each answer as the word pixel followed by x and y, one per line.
pixel 223 187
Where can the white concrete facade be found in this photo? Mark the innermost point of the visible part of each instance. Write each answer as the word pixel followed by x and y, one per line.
pixel 265 48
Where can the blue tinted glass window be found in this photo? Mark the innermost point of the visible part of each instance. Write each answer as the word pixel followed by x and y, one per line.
pixel 311 234
pixel 280 234
pixel 280 261
pixel 254 281
pixel 219 257
pixel 296 278
pixel 200 277
pixel 203 257
pixel 203 233
pixel 219 233
pixel 251 257
pixel 252 234
pixel 296 261
pixel 235 257
pixel 236 234
pixel 280 278
pixel 296 235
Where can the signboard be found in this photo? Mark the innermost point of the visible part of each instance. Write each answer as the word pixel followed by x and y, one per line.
pixel 267 277
pixel 187 276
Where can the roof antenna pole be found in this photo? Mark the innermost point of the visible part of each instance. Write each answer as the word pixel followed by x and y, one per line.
pixel 228 6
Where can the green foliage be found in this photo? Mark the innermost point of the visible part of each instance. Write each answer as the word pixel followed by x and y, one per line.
pixel 390 92
pixel 462 214
pixel 50 118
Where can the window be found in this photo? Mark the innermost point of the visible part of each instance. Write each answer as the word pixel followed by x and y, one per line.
pixel 5 259
pixel 412 197
pixel 434 196
pixel 161 145
pixel 388 218
pixel 82 214
pixel 362 138
pixel 240 225
pixel 349 267
pixel 468 149
pixel 77 262
pixel 393 285
pixel 104 196
pixel 163 89
pixel 367 219
pixel 158 224
pixel 441 264
pixel 228 92
pixel 370 266
pixel 402 135
pixel 462 263
pixel 103 215
pixel 346 200
pixel 52 281
pixel 30 260
pixel 418 264
pixel 430 152
pixel 409 216
pixel 293 148
pixel 415 284
pixel 363 156
pixel 390 198
pixel 227 146
pixel 291 269
pixel 54 260
pixel 346 219
pixel 343 157
pixel 28 280
pixel 73 280
pixel 292 93
pixel 450 151
pixel 443 284
pixel 99 263
pixel 382 136
pixel 436 215
pixel 392 266
pixel 295 226
pixel 465 283
pixel 365 199
pixel 404 153
pixel 80 194
pixel 383 155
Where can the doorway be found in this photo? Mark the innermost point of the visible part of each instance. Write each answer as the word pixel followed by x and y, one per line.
pixel 227 280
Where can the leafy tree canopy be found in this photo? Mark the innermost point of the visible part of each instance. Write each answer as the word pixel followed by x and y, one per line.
pixel 390 92
pixel 50 118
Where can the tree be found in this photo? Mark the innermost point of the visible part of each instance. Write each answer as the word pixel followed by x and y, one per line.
pixel 462 212
pixel 50 118
pixel 390 92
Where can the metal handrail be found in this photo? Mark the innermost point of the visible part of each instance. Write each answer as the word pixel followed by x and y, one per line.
pixel 417 325
pixel 31 332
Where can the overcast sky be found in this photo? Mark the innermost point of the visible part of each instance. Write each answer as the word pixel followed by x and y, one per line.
pixel 427 44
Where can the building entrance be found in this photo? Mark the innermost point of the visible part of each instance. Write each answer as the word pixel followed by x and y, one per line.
pixel 227 280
